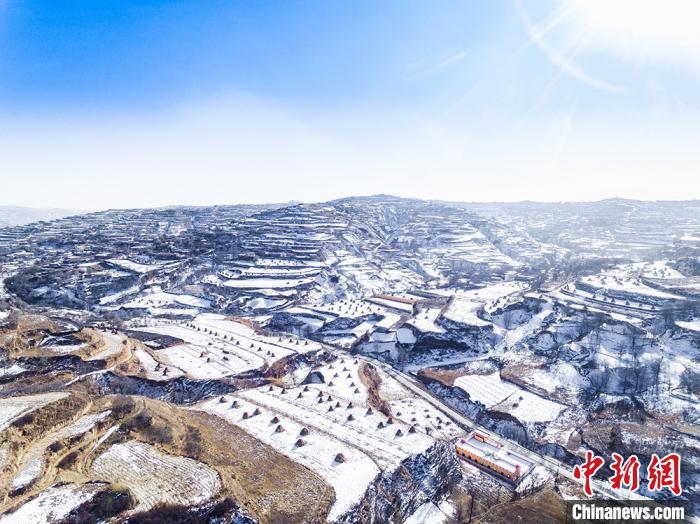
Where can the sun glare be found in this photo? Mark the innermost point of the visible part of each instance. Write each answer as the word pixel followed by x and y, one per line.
pixel 666 30
pixel 572 32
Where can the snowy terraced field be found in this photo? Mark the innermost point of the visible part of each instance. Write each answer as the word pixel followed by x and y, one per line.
pixel 14 407
pixel 113 345
pixel 11 370
pixel 268 283
pixel 425 321
pixel 419 413
pixel 279 272
pixel 319 452
pixel 392 304
pixel 626 284
pixel 137 267
pixel 315 423
pixel 561 376
pixel 153 369
pixel 496 394
pixel 33 461
pixel 383 445
pixel 362 275
pixel 114 297
pixel 693 325
pixel 626 311
pixel 209 363
pixel 626 279
pixel 466 303
pixel 64 349
pixel 658 269
pixel 351 308
pixel 53 504
pixel 470 245
pixel 464 311
pixel 155 297
pixel 215 347
pixel 277 346
pixel 310 312
pixel 265 303
pixel 154 477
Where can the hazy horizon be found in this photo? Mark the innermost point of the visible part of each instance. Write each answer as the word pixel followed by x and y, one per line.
pixel 295 202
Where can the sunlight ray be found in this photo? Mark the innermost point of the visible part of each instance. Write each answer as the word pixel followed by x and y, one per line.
pixel 554 19
pixel 567 65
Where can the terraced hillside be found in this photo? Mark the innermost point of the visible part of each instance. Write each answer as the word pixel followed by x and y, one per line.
pixel 316 362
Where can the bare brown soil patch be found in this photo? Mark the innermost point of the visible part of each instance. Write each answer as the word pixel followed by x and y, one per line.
pixel 446 377
pixel 371 379
pixel 542 507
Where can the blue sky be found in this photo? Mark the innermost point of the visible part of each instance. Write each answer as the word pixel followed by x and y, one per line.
pixel 126 104
pixel 133 54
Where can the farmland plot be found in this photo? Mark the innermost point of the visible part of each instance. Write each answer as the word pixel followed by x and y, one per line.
pixel 349 478
pixel 205 355
pixel 215 347
pixel 267 283
pixel 33 462
pixel 240 332
pixel 154 477
pixel 113 344
pixel 155 298
pixel 207 364
pixel 331 428
pixel 52 504
pixel 11 370
pixel 499 395
pixel 153 369
pixel 14 407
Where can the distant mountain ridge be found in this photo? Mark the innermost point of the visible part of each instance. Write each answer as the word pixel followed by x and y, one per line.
pixel 17 216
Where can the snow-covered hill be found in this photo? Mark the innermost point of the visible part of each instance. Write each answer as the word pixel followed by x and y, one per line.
pixel 346 343
pixel 17 216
